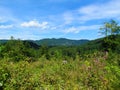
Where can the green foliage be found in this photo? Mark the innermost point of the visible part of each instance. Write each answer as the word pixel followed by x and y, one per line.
pixel 112 30
pixel 111 43
pixel 4 75
pixel 92 71
pixel 16 50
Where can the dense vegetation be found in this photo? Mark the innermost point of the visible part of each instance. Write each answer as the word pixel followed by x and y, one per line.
pixel 95 65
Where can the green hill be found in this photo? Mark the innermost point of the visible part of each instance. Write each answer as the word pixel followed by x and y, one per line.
pixel 54 42
pixel 60 42
pixel 112 43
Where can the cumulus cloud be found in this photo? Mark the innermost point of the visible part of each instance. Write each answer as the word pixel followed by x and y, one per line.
pixel 36 24
pixel 5 26
pixel 81 28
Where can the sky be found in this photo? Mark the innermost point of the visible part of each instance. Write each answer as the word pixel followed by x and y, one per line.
pixel 72 19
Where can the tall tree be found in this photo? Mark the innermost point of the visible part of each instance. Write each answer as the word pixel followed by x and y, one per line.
pixel 113 27
pixel 105 29
pixel 110 28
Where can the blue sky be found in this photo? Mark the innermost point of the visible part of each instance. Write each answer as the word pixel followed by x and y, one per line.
pixel 38 19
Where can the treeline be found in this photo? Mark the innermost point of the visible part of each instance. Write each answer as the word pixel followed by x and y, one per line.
pixel 17 50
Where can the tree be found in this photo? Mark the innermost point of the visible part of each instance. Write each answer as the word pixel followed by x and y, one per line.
pixel 110 30
pixel 105 29
pixel 113 27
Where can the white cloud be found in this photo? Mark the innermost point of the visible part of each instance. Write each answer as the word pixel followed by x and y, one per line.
pixel 5 26
pixel 93 12
pixel 100 11
pixel 72 30
pixel 96 11
pixel 36 24
pixel 81 28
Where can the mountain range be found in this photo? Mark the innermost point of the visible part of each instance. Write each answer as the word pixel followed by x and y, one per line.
pixel 55 42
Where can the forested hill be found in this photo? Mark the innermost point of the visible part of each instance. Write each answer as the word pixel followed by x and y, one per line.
pixel 55 42
pixel 3 41
pixel 111 42
pixel 60 42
